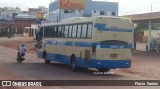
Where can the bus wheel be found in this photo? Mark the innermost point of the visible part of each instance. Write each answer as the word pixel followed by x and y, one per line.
pixel 45 57
pixel 47 61
pixel 73 63
pixel 104 69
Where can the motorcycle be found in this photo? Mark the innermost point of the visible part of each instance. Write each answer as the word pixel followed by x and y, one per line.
pixel 20 58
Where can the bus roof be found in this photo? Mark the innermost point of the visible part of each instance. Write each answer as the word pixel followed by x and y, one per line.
pixel 81 19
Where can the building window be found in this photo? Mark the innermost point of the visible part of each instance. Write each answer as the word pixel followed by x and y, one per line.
pixel 113 13
pixel 67 11
pixel 101 12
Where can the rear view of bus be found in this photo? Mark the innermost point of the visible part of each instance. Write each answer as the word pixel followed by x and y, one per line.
pixel 114 38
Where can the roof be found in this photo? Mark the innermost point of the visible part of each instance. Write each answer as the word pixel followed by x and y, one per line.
pixel 144 16
pixel 23 15
pixel 91 18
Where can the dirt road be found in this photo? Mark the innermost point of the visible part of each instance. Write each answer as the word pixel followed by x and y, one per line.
pixel 35 69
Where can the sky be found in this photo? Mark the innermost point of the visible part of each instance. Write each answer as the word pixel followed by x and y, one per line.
pixel 126 7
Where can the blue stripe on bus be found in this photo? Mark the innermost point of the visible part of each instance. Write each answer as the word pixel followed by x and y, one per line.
pixel 88 44
pixel 49 42
pixel 84 44
pixel 115 46
pixel 102 27
pixel 92 63
pixel 68 43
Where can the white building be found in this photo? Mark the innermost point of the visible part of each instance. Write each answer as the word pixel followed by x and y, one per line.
pixel 7 13
pixel 43 9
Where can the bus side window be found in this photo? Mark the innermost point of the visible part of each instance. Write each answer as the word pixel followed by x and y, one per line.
pixel 59 34
pixel 89 32
pixel 62 31
pixel 50 30
pixel 46 31
pixel 53 31
pixel 41 32
pixel 74 31
pixel 79 31
pixel 56 31
pixel 66 31
pixel 41 29
pixel 70 31
pixel 84 30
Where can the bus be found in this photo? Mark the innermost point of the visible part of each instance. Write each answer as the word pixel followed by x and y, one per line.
pixel 98 42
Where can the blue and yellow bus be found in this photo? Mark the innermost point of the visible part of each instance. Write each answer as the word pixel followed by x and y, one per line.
pixel 99 42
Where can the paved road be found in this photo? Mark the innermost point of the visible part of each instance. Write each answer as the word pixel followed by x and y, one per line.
pixel 34 69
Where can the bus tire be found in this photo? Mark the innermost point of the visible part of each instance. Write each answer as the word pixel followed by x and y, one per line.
pixel 45 57
pixel 103 69
pixel 73 63
pixel 44 54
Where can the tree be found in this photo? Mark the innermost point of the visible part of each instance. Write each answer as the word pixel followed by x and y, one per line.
pixel 141 27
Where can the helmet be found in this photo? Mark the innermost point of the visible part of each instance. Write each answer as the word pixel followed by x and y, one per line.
pixel 22 45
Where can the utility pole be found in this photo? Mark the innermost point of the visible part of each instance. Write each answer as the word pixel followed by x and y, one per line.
pixel 149 32
pixel 151 8
pixel 60 15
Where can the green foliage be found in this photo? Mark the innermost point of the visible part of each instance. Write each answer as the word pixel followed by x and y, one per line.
pixel 141 27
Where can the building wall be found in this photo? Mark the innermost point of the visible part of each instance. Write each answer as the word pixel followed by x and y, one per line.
pixel 17 27
pixel 54 6
pixel 97 6
pixel 92 8
pixel 13 21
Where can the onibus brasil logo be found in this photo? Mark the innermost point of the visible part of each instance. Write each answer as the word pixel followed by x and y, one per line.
pixel 20 83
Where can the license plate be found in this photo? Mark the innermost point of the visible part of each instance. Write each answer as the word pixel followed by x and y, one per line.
pixel 114 56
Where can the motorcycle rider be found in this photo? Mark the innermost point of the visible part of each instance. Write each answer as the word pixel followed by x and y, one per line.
pixel 21 52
